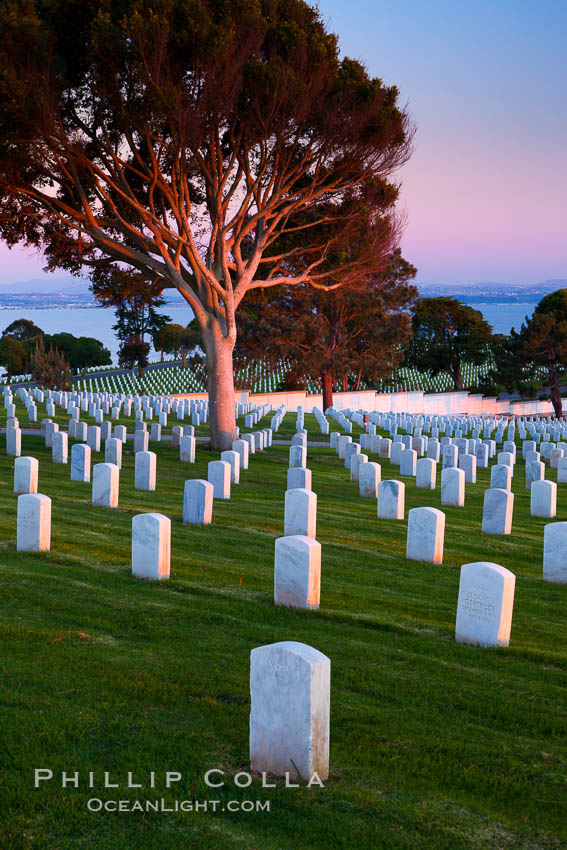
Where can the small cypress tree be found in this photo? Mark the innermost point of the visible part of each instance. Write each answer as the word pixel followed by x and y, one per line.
pixel 50 368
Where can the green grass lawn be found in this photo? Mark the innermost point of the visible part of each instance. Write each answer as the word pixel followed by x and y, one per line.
pixel 433 744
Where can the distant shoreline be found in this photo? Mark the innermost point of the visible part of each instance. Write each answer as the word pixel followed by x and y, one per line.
pixel 43 301
pixel 32 305
pixel 29 301
pixel 497 301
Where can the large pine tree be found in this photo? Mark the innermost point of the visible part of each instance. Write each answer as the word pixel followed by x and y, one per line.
pixel 182 138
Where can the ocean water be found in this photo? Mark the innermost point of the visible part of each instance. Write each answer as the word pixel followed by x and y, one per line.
pixel 504 317
pixel 98 321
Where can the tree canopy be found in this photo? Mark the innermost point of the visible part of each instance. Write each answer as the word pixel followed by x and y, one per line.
pixel 183 138
pixel 541 343
pixel 177 340
pixel 135 299
pixel 22 329
pixel 446 334
pixel 18 346
pixel 12 355
pixel 80 352
pixel 554 304
pixel 134 352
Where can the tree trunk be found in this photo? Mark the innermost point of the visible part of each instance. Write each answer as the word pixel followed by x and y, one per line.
pixel 162 352
pixel 220 380
pixel 184 359
pixel 327 383
pixel 556 399
pixel 457 377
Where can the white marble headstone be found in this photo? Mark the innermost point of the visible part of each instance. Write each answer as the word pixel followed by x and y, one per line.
pixel 297 572
pixel 535 471
pixel 426 535
pixel 543 499
pixel 298 477
pixel 141 441
pixel 426 474
pixel 242 447
pixel 14 442
pixel 233 458
pixel 555 553
pixel 106 478
pixel 467 462
pixel 297 456
pixel 33 523
pixel 219 476
pixel 453 487
pixel 391 499
pixel 369 477
pixel 501 477
pixel 80 462
pixel 151 546
pixel 145 466
pixel 497 511
pixel 26 474
pixel 408 462
pixel 486 601
pixel 300 513
pixel 290 710
pixel 113 451
pixel 198 502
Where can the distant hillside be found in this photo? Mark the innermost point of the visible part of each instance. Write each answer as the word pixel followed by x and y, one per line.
pixel 493 293
pixel 486 292
pixel 51 287
pixel 46 286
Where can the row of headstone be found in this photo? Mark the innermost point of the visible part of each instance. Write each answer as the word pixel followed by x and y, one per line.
pixel 105 490
pixel 100 405
pixel 341 419
pixel 298 554
pixel 199 494
pixel 322 420
pixel 542 430
pixel 543 501
pixel 184 438
pixel 277 418
pixel 297 559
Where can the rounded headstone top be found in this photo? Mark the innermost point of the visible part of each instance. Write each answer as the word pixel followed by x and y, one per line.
pixel 293 647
